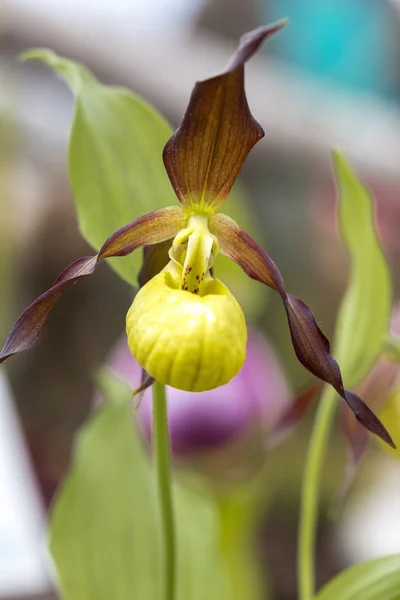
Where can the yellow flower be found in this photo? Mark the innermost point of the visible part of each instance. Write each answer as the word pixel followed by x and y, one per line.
pixel 184 327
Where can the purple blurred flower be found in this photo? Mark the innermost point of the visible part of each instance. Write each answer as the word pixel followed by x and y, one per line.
pixel 235 417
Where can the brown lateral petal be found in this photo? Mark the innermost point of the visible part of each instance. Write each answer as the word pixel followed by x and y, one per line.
pixel 155 258
pixel 207 151
pixel 79 268
pixel 310 344
pixel 29 328
pixel 150 229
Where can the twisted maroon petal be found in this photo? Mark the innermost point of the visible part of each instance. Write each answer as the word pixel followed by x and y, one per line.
pixel 152 228
pixel 310 344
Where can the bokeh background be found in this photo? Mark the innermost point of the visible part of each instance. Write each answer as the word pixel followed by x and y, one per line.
pixel 330 79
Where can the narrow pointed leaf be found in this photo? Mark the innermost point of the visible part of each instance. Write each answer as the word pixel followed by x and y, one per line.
pixel 149 229
pixel 115 156
pixel 364 316
pixel 207 151
pixel 310 344
pixel 371 580
pixel 105 532
pixel 363 320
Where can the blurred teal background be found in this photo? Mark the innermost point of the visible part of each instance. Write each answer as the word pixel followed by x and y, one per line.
pixel 351 42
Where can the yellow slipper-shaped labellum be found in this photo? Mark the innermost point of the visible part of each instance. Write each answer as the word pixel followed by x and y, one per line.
pixel 188 341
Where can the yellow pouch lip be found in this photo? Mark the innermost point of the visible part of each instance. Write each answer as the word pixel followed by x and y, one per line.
pixel 188 341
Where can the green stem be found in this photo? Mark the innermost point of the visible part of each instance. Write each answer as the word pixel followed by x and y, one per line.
pixel 162 456
pixel 310 493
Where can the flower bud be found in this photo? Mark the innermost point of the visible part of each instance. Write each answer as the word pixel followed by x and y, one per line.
pixel 190 341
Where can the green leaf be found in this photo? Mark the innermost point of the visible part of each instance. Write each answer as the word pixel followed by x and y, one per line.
pixel 115 157
pixel 105 528
pixel 239 513
pixel 364 316
pixel 377 579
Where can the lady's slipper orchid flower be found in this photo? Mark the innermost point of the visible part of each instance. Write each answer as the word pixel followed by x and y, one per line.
pixel 184 327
